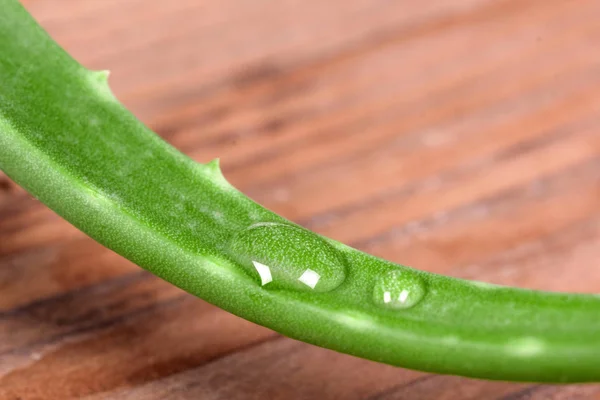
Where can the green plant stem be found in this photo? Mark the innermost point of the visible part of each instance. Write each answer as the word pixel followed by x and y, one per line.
pixel 70 143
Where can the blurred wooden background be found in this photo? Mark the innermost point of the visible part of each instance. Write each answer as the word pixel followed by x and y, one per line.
pixel 456 136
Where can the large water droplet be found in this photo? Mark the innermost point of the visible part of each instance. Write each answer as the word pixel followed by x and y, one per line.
pixel 398 289
pixel 287 256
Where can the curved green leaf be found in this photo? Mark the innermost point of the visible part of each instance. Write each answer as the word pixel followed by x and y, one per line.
pixel 69 142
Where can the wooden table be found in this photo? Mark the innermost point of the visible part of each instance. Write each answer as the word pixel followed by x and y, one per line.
pixel 459 137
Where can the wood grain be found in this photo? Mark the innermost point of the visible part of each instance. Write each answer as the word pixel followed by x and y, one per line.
pixel 459 137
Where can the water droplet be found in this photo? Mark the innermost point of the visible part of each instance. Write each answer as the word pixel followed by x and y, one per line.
pixel 398 289
pixel 287 256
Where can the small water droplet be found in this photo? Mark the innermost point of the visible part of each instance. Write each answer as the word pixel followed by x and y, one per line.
pixel 287 256
pixel 398 289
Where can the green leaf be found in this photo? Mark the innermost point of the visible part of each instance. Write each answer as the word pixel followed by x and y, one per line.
pixel 69 142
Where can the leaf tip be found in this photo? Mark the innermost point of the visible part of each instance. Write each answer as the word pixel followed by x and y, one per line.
pixel 103 75
pixel 99 80
pixel 214 164
pixel 213 168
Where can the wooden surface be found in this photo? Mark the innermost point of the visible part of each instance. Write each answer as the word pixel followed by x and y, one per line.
pixel 457 136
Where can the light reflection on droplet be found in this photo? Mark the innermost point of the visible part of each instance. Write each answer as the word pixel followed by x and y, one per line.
pixel 403 296
pixel 310 278
pixel 264 272
pixel 387 297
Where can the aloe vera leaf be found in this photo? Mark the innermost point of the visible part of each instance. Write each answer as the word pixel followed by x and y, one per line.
pixel 67 140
